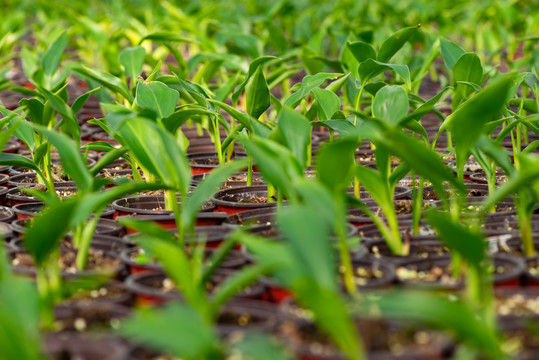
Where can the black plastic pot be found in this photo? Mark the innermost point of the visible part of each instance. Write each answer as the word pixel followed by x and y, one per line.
pixel 6 214
pixel 73 345
pixel 240 199
pixel 147 205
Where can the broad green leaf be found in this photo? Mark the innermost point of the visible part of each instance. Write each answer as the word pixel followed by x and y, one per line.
pixel 81 100
pixel 109 81
pixel 361 51
pixel 374 183
pixel 18 160
pixel 177 329
pixel 34 107
pixel 44 234
pixel 158 152
pixel 334 162
pixel 69 125
pixel 451 52
pixel 308 233
pixel 467 122
pixel 468 69
pixel 244 119
pixel 132 59
pixel 371 68
pixel 176 265
pixel 6 134
pixel 496 152
pixel 51 58
pixel 207 187
pixel 296 131
pixel 177 119
pixel 395 42
pixel 257 94
pixel 96 201
pixel 115 115
pixel 390 104
pixel 253 67
pixel 328 103
pixel 235 283
pixel 158 97
pixel 307 85
pixel 470 245
pixel 29 62
pixel 277 164
pixel 19 316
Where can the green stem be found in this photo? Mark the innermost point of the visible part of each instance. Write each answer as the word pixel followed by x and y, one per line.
pixel 249 170
pixel 177 216
pixel 86 240
pixel 358 103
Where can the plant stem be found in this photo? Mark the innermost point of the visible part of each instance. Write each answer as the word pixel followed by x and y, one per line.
pixel 271 193
pixel 177 216
pixel 249 170
pixel 86 240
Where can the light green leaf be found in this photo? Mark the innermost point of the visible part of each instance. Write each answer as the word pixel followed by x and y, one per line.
pixel 307 85
pixel 158 97
pixel 328 103
pixel 390 104
pixel 132 59
pixel 371 68
pixel 51 58
pixel 451 52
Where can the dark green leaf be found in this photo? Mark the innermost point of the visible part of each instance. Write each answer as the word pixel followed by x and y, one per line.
pixel 307 85
pixel 296 131
pixel 257 94
pixel 328 103
pixel 334 162
pixel 109 81
pixel 361 51
pixel 371 68
pixel 395 42
pixel 451 52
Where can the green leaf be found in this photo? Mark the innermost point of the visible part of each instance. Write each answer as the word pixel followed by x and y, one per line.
pixel 109 81
pixel 296 131
pixel 253 67
pixel 257 94
pixel 275 161
pixel 177 329
pixel 451 52
pixel 371 68
pixel 52 56
pixel 5 135
pixel 69 124
pixel 158 152
pixel 34 107
pixel 328 103
pixel 132 59
pixel 390 104
pixel 43 236
pixel 260 347
pixel 468 120
pixel 334 162
pixel 496 152
pixel 236 283
pixel 307 85
pixel 18 160
pixel 72 159
pixel 361 51
pixel 81 100
pixel 470 245
pixel 94 201
pixel 244 119
pixel 160 36
pixel 395 42
pixel 177 119
pixel 468 69
pixel 158 97
pixel 308 233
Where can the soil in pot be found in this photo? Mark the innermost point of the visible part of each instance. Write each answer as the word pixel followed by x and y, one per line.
pixel 436 272
pixel 382 339
pixel 70 345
